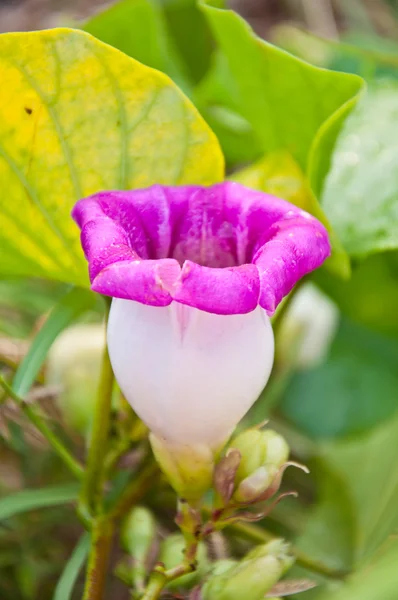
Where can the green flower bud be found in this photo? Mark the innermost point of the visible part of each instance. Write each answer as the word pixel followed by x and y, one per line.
pixel 189 469
pixel 73 364
pixel 222 566
pixel 278 548
pixel 259 448
pixel 278 450
pixel 137 535
pixel 172 554
pixel 253 577
pixel 252 450
pixel 253 486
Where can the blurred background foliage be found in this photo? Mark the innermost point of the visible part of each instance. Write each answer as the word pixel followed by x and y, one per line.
pixel 334 389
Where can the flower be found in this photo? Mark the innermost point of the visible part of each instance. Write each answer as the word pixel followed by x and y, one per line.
pixel 223 249
pixel 195 273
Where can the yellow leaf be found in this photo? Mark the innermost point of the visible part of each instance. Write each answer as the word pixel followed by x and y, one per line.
pixel 76 117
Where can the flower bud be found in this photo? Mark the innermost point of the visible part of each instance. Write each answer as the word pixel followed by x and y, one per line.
pixel 277 449
pixel 188 468
pixel 172 554
pixel 278 548
pixel 253 577
pixel 137 535
pixel 74 364
pixel 253 486
pixel 259 448
pixel 223 565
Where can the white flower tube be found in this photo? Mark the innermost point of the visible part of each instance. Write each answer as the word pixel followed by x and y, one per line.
pixel 190 375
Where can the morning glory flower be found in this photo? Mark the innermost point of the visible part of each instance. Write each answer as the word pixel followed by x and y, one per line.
pixel 195 273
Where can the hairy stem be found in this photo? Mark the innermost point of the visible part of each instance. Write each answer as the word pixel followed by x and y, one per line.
pixel 59 448
pixel 91 496
pixel 159 578
pixel 101 541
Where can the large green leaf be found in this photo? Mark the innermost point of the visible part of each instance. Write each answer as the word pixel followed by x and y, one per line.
pixel 139 29
pixel 355 514
pixel 368 466
pixel 329 529
pixel 27 500
pixel 361 191
pixel 77 116
pixel 378 581
pixel 356 510
pixel 355 389
pixel 290 104
pixel 170 35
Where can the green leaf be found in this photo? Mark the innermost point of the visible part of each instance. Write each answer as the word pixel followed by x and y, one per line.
pixel 76 117
pixel 191 34
pixel 28 500
pixel 355 514
pixel 291 105
pixel 329 530
pixel 139 29
pixel 371 295
pixel 216 98
pixel 361 190
pixel 356 509
pixel 378 580
pixel 355 389
pixel 367 465
pixel 75 303
pixel 169 35
pixel 66 582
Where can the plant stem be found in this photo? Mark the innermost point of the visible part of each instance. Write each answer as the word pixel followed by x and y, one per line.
pixel 91 498
pixel 258 534
pixel 187 520
pixel 101 541
pixel 73 465
pixel 160 578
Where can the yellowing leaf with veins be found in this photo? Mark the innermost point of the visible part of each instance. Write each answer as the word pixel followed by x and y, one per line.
pixel 76 117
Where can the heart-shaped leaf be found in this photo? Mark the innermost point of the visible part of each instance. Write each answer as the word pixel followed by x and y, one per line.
pixel 76 117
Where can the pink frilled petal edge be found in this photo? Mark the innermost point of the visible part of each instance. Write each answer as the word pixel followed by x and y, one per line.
pixel 223 249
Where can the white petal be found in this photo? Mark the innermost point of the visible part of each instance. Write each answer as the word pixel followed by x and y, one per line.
pixel 190 375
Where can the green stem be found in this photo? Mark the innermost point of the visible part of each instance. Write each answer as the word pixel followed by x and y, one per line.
pixel 187 520
pixel 101 541
pixel 73 465
pixel 159 578
pixel 260 536
pixel 91 497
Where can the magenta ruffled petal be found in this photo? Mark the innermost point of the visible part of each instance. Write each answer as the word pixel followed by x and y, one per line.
pixel 147 281
pixel 223 249
pixel 233 290
pixel 298 246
